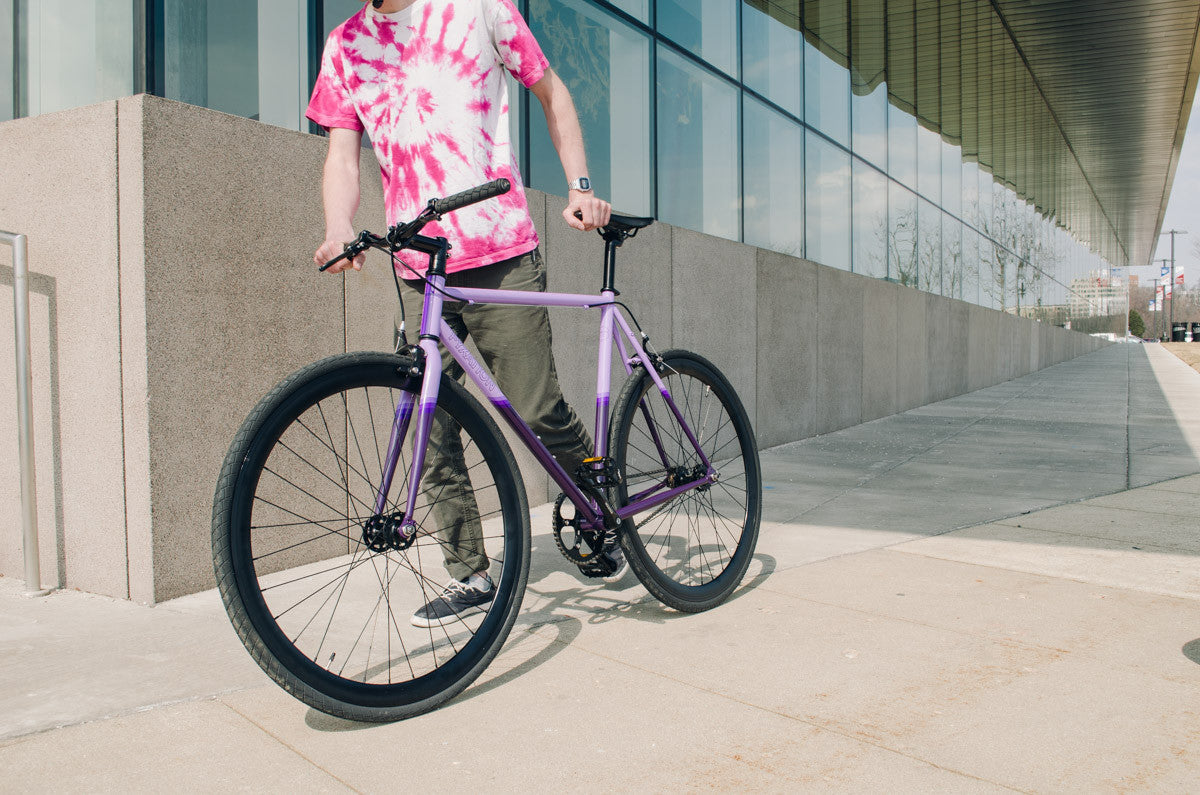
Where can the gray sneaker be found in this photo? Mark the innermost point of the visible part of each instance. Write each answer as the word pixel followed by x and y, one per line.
pixel 460 599
pixel 612 550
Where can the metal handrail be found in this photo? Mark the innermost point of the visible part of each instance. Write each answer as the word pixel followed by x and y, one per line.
pixel 29 530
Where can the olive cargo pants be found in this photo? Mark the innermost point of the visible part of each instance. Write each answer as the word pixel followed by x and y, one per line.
pixel 515 343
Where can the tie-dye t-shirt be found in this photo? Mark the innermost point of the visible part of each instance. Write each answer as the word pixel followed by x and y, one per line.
pixel 428 86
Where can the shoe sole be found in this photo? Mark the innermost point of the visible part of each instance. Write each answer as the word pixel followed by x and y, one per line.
pixel 618 576
pixel 430 623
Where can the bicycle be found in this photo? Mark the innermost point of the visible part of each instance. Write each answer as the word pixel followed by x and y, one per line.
pixel 319 559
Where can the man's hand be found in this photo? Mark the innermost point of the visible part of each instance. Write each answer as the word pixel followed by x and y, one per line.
pixel 585 211
pixel 334 245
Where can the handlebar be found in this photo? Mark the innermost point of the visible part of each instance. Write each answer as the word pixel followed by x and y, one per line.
pixel 497 187
pixel 400 235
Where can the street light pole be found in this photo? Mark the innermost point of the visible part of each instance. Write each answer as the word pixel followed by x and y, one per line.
pixel 1162 312
pixel 1172 233
pixel 1127 306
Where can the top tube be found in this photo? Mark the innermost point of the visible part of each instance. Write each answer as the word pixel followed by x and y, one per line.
pixel 478 295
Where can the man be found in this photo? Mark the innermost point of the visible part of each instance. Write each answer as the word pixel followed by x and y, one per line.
pixel 425 79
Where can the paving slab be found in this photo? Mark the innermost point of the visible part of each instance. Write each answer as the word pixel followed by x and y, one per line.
pixel 1138 631
pixel 199 746
pixel 1092 521
pixel 1153 568
pixel 72 657
pixel 588 722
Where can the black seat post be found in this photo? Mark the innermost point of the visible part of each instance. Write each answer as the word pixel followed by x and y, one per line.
pixel 610 263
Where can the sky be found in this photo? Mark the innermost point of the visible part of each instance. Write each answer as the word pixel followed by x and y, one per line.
pixel 1183 209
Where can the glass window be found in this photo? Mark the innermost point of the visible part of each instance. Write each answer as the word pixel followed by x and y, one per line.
pixel 952 257
pixel 772 52
pixel 929 247
pixel 870 220
pixel 707 28
pixel 209 53
pixel 929 164
pixel 826 95
pixel 952 190
pixel 902 146
pixel 902 235
pixel 774 179
pixel 606 65
pixel 70 57
pixel 870 140
pixel 639 9
pixel 238 57
pixel 697 147
pixel 335 12
pixel 970 193
pixel 826 202
pixel 283 88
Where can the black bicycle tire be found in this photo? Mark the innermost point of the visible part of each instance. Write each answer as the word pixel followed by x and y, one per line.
pixel 687 598
pixel 299 676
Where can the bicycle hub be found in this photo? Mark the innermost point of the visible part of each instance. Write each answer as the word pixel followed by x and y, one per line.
pixel 382 533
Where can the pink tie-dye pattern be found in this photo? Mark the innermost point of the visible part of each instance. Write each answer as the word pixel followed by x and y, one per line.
pixel 432 96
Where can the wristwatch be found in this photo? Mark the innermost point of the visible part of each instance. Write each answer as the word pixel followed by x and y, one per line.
pixel 583 184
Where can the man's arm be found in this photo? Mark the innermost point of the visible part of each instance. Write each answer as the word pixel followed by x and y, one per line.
pixel 339 191
pixel 567 138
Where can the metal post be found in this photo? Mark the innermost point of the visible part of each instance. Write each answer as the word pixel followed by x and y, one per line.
pixel 1162 310
pixel 1127 307
pixel 29 531
pixel 1171 323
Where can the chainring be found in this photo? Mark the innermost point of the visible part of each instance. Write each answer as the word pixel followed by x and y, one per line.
pixel 583 547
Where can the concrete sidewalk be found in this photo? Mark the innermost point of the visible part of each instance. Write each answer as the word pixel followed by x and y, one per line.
pixel 996 592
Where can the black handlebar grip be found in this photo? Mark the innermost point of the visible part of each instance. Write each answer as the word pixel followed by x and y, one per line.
pixel 496 187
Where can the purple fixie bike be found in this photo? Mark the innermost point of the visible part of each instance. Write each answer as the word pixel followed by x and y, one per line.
pixel 325 522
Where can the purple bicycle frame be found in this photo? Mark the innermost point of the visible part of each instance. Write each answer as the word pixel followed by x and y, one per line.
pixel 611 321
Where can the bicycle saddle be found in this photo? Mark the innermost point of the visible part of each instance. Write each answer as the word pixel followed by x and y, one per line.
pixel 625 225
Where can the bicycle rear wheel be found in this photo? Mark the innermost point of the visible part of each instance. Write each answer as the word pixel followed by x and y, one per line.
pixel 692 551
pixel 324 613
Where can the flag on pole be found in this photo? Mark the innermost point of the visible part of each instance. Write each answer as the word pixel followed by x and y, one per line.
pixel 1179 275
pixel 1153 305
pixel 1165 271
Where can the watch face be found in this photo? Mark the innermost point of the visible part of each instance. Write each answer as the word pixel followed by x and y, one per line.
pixel 583 183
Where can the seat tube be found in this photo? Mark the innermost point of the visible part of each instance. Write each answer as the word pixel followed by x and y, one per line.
pixel 604 376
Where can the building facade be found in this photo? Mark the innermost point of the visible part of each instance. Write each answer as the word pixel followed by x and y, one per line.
pixel 933 144
pixel 849 194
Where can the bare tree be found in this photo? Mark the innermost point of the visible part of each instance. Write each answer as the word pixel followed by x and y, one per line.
pixel 900 242
pixel 1018 257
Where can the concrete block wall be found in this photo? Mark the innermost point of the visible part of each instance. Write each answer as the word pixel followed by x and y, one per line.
pixel 170 250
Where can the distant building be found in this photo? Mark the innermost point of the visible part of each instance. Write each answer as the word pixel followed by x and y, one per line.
pixel 1097 294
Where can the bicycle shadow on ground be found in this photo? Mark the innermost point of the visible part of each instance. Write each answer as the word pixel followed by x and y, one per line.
pixel 554 597
pixel 526 649
pixel 562 610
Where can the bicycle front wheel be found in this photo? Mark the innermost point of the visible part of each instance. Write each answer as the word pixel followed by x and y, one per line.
pixel 322 606
pixel 691 551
